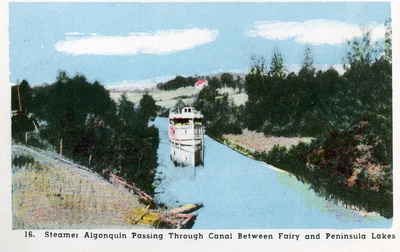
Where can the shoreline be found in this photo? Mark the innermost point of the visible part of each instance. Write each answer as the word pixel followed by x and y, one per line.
pixel 73 196
pixel 248 152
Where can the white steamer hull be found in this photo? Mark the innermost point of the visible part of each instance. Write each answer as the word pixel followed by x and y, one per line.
pixel 186 136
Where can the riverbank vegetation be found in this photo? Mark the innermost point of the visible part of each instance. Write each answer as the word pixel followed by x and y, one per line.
pixel 348 115
pixel 78 119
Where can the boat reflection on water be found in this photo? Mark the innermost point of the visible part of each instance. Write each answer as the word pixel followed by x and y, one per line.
pixel 187 155
pixel 186 135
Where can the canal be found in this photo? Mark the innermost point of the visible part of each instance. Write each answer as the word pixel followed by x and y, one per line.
pixel 242 193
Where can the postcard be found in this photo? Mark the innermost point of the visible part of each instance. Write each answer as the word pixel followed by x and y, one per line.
pixel 199 126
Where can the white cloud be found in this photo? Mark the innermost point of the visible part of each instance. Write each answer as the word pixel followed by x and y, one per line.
pixel 161 42
pixel 315 32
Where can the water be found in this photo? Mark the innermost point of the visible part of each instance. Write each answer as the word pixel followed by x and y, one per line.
pixel 241 193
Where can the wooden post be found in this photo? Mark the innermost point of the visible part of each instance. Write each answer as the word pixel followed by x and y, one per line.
pixel 61 146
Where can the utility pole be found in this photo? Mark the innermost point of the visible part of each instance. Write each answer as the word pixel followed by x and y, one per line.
pixel 19 98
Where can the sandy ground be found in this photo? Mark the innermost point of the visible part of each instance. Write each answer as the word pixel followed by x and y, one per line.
pixel 168 99
pixel 256 141
pixel 51 194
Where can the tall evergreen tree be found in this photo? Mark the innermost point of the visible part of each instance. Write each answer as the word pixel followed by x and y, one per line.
pixel 307 68
pixel 277 68
pixel 388 41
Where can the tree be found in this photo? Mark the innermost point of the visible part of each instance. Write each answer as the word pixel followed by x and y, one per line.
pixel 307 68
pixel 83 123
pixel 148 107
pixel 257 64
pixel 388 41
pixel 369 80
pixel 220 115
pixel 361 51
pixel 68 107
pixel 214 82
pixel 239 84
pixel 227 79
pixel 256 86
pixel 21 102
pixel 126 111
pixel 20 125
pixel 277 68
pixel 177 82
pixel 179 105
pixel 134 144
pixel 21 97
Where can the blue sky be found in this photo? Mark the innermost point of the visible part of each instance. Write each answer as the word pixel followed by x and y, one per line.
pixel 122 43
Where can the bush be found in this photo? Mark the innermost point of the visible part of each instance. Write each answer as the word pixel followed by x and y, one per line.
pixel 329 162
pixel 22 161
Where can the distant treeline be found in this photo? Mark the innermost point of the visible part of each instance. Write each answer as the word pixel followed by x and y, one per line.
pixel 349 115
pixel 80 120
pixel 177 82
pixel 224 80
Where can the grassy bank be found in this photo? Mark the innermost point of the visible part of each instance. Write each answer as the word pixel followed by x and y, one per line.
pixel 47 193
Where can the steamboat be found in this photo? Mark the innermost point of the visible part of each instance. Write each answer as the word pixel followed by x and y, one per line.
pixel 186 135
pixel 186 127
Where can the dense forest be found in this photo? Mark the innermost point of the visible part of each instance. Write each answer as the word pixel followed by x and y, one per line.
pixel 349 115
pixel 79 120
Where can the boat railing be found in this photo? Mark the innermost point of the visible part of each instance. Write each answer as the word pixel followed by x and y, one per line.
pixel 188 124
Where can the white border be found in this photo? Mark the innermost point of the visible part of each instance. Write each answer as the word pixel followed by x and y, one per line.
pixel 14 241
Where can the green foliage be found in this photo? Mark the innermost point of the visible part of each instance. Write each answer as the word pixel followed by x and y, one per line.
pixel 308 62
pixel 221 115
pixel 388 41
pixel 350 115
pixel 361 51
pixel 22 106
pixel 314 102
pixel 224 80
pixel 22 101
pixel 177 82
pixel 328 164
pixel 148 108
pixel 227 80
pixel 21 124
pixel 22 160
pixel 277 68
pixel 179 105
pixel 134 153
pixel 80 119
